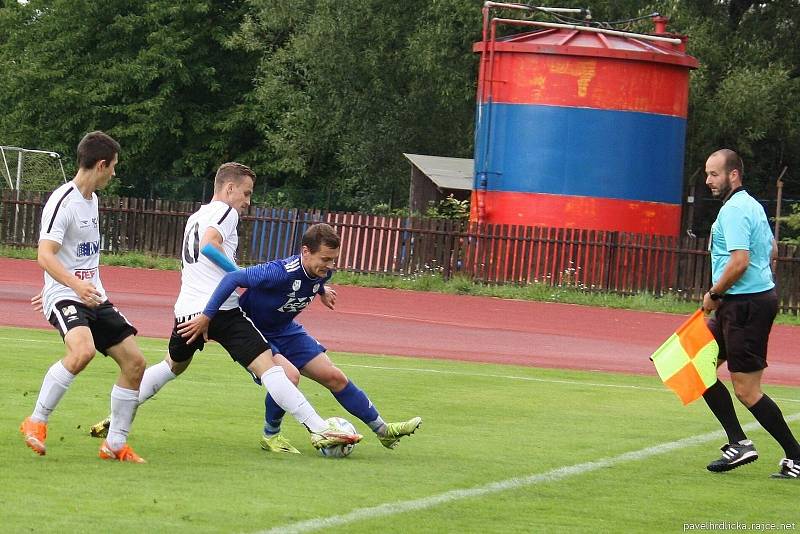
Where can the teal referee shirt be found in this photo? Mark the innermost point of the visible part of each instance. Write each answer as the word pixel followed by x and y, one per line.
pixel 742 225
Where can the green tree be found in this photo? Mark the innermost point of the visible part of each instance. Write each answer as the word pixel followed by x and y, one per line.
pixel 346 86
pixel 152 73
pixel 792 223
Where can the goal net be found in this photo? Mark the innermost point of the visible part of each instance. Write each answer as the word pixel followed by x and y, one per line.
pixel 25 169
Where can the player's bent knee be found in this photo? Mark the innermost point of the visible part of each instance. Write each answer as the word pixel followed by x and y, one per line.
pixel 292 374
pixel 747 394
pixel 76 361
pixel 137 365
pixel 260 364
pixel 78 357
pixel 335 380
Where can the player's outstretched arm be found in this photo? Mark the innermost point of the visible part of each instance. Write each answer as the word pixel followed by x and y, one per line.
pixel 218 258
pixel 197 326
pixel 226 286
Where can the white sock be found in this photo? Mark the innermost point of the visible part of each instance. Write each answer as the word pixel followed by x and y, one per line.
pixel 55 384
pixel 123 409
pixel 288 397
pixel 154 379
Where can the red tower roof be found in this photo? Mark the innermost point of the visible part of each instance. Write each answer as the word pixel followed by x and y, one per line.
pixel 585 43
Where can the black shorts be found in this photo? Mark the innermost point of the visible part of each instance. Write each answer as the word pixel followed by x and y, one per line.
pixel 108 326
pixel 230 328
pixel 741 326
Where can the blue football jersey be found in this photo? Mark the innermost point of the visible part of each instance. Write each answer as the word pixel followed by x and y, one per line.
pixel 276 292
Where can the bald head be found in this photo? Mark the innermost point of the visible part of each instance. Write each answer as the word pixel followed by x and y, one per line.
pixel 731 160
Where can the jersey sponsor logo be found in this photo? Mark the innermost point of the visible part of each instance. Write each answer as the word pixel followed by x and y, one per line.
pixel 85 274
pixel 296 285
pixel 295 305
pixel 88 248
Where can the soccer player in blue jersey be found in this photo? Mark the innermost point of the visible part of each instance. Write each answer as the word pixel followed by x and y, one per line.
pixel 277 292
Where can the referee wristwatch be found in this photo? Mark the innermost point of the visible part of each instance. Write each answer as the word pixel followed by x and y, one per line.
pixel 713 295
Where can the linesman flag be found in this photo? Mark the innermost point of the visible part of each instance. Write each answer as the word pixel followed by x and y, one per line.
pixel 687 361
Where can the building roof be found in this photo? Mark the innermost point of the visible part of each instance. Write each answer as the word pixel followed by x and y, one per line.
pixel 446 173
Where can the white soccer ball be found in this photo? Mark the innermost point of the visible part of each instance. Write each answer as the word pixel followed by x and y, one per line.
pixel 339 451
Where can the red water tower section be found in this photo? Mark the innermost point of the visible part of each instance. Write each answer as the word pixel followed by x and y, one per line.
pixel 581 130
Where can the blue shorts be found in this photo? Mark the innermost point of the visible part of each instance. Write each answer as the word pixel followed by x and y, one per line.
pixel 295 344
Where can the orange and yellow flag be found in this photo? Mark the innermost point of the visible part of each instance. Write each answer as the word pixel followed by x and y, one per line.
pixel 687 361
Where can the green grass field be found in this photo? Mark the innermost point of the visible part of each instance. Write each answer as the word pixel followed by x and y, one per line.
pixel 501 449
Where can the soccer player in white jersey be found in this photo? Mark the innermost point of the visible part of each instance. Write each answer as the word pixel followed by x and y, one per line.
pixel 215 224
pixel 75 302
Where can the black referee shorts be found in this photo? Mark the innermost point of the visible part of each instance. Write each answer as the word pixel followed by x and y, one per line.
pixel 108 326
pixel 741 326
pixel 230 328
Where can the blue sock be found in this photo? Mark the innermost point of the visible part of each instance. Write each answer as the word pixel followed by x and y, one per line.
pixel 357 403
pixel 273 415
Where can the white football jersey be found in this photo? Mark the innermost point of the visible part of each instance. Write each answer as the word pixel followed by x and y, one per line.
pixel 72 221
pixel 200 276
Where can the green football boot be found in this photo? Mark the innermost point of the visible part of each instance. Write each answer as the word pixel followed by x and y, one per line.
pixel 100 430
pixel 394 431
pixel 277 443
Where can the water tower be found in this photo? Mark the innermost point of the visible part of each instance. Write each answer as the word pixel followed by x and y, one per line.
pixel 580 127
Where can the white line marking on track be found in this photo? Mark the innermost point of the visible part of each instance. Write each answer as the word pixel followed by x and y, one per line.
pixel 439 322
pixel 559 473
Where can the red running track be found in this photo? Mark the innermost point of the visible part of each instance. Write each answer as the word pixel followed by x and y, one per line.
pixel 428 325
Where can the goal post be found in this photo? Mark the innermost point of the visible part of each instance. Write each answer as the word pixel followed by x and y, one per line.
pixel 26 169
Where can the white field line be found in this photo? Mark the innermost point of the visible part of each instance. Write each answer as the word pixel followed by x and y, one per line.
pixel 434 371
pixel 559 473
pixel 525 378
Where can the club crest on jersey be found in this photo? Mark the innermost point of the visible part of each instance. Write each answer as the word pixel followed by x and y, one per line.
pixel 296 285
pixel 316 288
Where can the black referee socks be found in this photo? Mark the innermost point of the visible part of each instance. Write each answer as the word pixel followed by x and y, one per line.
pixel 770 417
pixel 721 404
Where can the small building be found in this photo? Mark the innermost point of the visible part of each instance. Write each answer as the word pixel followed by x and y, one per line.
pixel 434 178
